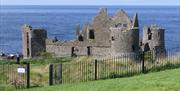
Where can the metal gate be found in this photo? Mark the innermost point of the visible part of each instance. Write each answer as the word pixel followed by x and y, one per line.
pixel 15 74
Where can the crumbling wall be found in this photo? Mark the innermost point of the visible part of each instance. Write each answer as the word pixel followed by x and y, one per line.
pixel 59 51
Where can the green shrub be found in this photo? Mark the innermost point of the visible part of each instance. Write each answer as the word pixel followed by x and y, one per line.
pixel 47 55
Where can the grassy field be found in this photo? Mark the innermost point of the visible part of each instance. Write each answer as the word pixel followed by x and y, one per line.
pixel 39 71
pixel 81 69
pixel 168 80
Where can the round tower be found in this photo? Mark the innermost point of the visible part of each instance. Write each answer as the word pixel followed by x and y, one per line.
pixel 124 41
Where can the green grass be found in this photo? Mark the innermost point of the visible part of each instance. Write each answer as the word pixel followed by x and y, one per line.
pixel 39 72
pixel 168 80
pixel 40 61
pixel 40 69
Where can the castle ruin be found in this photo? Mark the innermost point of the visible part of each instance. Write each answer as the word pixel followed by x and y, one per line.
pixel 104 36
pixel 34 41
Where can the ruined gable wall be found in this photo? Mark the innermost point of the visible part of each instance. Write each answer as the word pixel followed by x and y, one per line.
pixel 100 25
pixel 156 39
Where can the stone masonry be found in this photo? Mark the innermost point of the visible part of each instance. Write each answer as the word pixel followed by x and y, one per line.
pixel 104 36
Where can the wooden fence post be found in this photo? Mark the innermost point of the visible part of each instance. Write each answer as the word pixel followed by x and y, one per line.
pixel 60 73
pixel 142 59
pixel 28 75
pixel 95 69
pixel 51 74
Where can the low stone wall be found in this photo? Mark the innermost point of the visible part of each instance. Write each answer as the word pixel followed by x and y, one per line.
pixel 59 51
pixel 64 51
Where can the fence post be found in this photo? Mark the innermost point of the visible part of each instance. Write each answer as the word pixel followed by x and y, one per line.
pixel 60 73
pixel 51 74
pixel 142 59
pixel 95 69
pixel 28 75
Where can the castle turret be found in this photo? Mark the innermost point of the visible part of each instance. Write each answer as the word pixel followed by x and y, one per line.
pixel 124 42
pixel 135 21
pixel 33 41
pixel 153 39
pixel 125 36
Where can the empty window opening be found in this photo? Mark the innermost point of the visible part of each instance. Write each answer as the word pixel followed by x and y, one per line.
pixel 112 38
pixel 149 36
pixel 73 51
pixel 27 38
pixel 91 34
pixel 124 25
pixel 118 25
pixel 141 43
pixel 80 38
pixel 133 48
pixel 88 50
pixel 146 47
pixel 149 31
pixel 28 52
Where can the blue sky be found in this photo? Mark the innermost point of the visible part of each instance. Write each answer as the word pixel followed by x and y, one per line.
pixel 90 2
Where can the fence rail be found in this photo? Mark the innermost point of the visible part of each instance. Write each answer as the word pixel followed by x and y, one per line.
pixel 15 74
pixel 114 67
pixel 89 69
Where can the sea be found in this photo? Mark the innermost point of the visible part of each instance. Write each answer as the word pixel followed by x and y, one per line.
pixel 61 21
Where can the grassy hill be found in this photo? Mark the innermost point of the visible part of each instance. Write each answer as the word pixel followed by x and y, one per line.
pixel 168 80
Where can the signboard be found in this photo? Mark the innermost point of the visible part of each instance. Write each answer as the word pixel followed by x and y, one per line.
pixel 21 70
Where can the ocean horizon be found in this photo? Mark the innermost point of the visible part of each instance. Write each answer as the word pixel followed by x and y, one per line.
pixel 61 21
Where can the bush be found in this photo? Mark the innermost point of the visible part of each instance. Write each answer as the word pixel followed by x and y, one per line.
pixel 46 55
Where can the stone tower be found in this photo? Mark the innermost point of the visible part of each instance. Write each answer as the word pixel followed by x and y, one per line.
pixel 125 35
pixel 153 39
pixel 33 41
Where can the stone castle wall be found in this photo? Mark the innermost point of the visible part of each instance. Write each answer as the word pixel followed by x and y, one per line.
pixel 69 50
pixel 154 37
pixel 59 51
pixel 125 41
pixel 34 41
pixel 104 36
